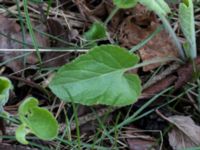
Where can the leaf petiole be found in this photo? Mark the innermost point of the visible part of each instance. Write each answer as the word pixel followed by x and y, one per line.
pixel 173 35
pixel 154 61
pixel 114 11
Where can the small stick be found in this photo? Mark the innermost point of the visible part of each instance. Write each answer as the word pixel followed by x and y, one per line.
pixel 162 75
pixel 44 50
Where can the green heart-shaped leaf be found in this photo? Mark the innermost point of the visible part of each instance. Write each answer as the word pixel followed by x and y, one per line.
pixel 97 31
pixel 39 121
pixel 99 77
pixel 5 87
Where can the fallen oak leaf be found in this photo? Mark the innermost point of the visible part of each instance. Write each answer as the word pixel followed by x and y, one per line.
pixel 185 134
pixel 11 38
pixel 160 45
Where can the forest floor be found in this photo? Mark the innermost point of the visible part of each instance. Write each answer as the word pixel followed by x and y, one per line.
pixel 166 115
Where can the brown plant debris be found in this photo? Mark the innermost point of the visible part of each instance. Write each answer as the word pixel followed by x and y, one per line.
pixel 137 27
pixel 184 134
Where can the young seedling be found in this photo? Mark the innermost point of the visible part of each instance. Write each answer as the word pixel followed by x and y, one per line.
pixel 120 4
pixel 5 87
pixel 100 77
pixel 35 120
pixel 96 31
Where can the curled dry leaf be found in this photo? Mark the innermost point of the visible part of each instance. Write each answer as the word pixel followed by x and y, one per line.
pixel 185 133
pixel 11 30
pixel 137 140
pixel 137 27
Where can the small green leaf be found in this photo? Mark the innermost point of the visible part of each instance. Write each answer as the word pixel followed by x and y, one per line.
pixel 124 4
pixel 5 87
pixel 38 120
pixel 99 77
pixel 27 104
pixel 186 17
pixel 42 123
pixel 21 133
pixel 97 31
pixel 160 7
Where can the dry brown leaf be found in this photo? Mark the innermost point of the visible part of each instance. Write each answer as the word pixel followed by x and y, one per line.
pixel 185 134
pixel 178 140
pixel 137 27
pixel 12 30
pixel 137 140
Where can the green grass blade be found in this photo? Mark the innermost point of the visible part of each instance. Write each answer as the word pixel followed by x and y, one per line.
pixel 30 28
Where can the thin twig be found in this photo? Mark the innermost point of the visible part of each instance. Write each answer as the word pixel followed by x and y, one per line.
pixel 44 50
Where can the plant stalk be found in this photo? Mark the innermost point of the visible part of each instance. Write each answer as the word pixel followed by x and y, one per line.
pixel 30 28
pixel 113 12
pixel 173 35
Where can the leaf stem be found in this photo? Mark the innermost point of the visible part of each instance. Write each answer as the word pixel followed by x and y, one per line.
pixel 113 12
pixel 153 61
pixel 28 22
pixel 173 35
